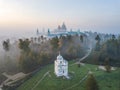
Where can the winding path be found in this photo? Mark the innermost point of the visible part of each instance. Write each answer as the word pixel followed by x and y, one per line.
pixel 81 59
pixel 89 71
pixel 89 51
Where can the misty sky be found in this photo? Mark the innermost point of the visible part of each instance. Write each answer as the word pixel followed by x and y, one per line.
pixel 94 15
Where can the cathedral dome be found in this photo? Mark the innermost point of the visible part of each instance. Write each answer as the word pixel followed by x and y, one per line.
pixel 64 26
pixel 59 27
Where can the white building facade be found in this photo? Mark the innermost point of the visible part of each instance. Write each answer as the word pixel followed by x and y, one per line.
pixel 61 66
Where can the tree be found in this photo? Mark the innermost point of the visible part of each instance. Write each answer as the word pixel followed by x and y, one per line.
pixel 43 58
pixel 55 43
pixel 97 38
pixel 91 83
pixel 72 51
pixel 108 68
pixel 107 65
pixel 42 38
pixel 24 45
pixel 113 37
pixel 110 49
pixel 6 45
pixel 28 62
pixel 60 43
pixel 69 37
pixel 81 38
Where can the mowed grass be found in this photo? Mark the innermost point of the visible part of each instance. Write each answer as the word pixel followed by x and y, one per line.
pixel 106 81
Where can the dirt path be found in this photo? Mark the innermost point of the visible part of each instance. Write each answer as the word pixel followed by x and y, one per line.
pixel 79 81
pixel 89 51
pixel 81 59
pixel 13 78
pixel 47 73
pixel 103 68
pixel 89 71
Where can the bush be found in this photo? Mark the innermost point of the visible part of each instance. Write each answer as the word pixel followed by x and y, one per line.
pixel 91 83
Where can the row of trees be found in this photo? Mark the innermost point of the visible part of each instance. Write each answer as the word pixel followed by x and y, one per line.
pixel 111 49
pixel 108 49
pixel 71 47
pixel 30 60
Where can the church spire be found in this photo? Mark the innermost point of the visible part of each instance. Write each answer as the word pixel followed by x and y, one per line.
pixel 37 32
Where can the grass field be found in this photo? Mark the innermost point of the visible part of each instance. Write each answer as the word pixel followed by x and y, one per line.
pixel 106 81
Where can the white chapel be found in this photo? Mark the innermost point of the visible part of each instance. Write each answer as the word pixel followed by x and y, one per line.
pixel 61 66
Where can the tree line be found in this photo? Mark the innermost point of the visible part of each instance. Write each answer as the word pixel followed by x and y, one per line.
pixel 107 49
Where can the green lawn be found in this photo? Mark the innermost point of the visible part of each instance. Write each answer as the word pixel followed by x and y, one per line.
pixel 106 81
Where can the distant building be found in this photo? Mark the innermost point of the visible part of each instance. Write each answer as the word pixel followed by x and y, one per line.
pixel 61 66
pixel 60 31
pixel 37 32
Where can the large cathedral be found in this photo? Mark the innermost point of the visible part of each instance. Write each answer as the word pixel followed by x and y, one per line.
pixel 61 66
pixel 62 28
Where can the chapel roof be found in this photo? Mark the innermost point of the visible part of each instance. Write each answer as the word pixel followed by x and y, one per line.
pixel 59 56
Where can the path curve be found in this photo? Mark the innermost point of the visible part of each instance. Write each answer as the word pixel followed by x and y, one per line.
pixel 81 59
pixel 89 71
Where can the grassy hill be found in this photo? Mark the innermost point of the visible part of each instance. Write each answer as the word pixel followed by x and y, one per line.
pixel 45 79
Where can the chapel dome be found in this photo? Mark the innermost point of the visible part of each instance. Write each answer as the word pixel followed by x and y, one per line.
pixel 59 57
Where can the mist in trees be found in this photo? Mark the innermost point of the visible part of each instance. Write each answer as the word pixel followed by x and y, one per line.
pixel 55 42
pixel 26 55
pixel 24 45
pixel 81 38
pixel 37 55
pixel 107 46
pixel 30 59
pixel 9 58
pixel 6 45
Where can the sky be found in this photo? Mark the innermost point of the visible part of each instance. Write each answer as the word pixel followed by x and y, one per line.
pixel 27 15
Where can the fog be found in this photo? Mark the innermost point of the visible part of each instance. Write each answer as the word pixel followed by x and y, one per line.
pixel 9 59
